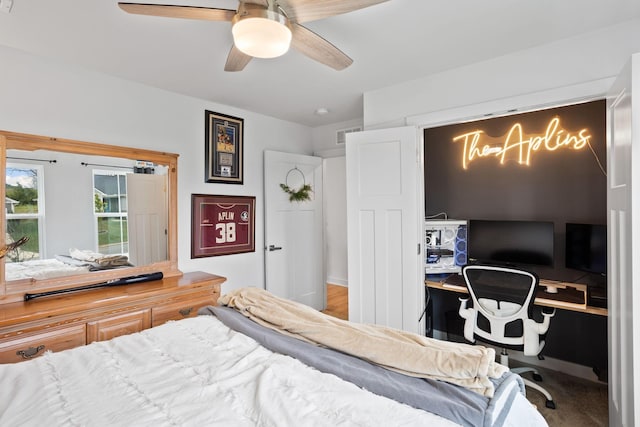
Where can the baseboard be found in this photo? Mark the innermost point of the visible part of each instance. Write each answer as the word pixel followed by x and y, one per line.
pixel 563 366
pixel 337 281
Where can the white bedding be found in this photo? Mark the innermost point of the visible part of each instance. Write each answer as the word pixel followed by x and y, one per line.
pixel 40 269
pixel 195 372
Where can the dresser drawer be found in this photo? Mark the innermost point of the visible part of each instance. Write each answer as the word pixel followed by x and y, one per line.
pixel 179 310
pixel 29 347
pixel 124 324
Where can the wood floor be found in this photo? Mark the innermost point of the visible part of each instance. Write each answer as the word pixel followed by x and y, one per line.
pixel 337 301
pixel 580 402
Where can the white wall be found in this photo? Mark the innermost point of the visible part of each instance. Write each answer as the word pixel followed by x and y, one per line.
pixel 44 97
pixel 581 66
pixel 323 138
pixel 335 197
pixel 335 217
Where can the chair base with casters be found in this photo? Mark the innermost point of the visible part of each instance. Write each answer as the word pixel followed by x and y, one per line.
pixel 504 360
pixel 501 315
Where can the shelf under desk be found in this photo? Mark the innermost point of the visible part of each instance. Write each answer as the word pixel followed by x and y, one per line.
pixel 570 296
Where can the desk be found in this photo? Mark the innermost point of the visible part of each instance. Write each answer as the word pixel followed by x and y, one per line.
pixel 578 332
pixel 570 296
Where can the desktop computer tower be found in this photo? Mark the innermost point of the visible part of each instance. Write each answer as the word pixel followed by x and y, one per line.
pixel 446 246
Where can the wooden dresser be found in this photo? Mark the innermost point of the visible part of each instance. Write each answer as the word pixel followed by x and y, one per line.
pixel 28 329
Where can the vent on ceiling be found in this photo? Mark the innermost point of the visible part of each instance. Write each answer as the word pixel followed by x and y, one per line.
pixel 6 5
pixel 341 135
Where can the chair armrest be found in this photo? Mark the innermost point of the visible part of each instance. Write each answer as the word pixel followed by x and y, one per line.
pixel 469 316
pixel 532 332
pixel 549 314
pixel 463 310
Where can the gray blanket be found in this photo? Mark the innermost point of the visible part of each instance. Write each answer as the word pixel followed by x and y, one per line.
pixel 447 400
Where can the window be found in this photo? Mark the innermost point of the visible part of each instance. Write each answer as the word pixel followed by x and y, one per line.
pixel 24 206
pixel 110 208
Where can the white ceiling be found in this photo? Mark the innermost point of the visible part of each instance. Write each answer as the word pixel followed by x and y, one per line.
pixel 392 42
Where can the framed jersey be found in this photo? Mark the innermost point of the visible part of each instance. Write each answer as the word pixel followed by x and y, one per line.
pixel 222 225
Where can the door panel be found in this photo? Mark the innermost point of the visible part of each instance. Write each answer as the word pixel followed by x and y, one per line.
pixel 623 281
pixel 147 218
pixel 384 218
pixel 294 245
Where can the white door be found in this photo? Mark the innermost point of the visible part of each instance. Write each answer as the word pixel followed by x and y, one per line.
pixel 147 218
pixel 623 151
pixel 294 247
pixel 384 224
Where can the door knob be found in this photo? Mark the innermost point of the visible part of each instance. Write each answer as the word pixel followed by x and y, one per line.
pixel 274 248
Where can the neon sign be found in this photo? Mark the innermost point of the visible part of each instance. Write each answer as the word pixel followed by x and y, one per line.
pixel 522 146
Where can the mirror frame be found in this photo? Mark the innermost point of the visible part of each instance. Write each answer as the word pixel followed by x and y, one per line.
pixel 14 290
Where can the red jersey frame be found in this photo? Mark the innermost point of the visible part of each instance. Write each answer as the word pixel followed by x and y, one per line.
pixel 222 225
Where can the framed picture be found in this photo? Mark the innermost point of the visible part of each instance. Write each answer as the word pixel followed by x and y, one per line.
pixel 222 225
pixel 223 148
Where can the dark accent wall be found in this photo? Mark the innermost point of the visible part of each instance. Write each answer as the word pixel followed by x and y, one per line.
pixel 565 185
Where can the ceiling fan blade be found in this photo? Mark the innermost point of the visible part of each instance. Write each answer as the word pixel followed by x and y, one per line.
pixel 310 10
pixel 317 48
pixel 170 11
pixel 236 60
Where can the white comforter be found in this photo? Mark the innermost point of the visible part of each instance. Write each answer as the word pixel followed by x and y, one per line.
pixel 40 269
pixel 193 372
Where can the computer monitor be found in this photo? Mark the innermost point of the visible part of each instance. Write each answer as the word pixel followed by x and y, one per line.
pixel 586 247
pixel 514 243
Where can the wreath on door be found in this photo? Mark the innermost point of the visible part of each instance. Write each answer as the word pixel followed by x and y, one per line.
pixel 301 194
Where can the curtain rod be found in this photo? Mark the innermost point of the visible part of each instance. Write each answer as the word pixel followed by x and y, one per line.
pixel 33 160
pixel 106 166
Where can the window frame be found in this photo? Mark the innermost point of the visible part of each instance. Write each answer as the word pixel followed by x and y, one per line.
pixel 40 215
pixel 122 214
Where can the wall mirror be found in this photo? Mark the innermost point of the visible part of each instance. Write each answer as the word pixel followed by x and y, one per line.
pixel 91 213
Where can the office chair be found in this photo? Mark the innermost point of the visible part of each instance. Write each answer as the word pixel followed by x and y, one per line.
pixel 501 314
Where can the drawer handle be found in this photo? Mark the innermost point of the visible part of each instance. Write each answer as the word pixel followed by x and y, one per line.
pixel 185 311
pixel 31 352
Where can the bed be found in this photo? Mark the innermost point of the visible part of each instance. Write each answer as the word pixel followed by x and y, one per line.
pixel 224 368
pixel 40 269
pixel 78 262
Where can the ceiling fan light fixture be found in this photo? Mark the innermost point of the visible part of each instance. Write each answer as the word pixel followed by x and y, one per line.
pixel 260 32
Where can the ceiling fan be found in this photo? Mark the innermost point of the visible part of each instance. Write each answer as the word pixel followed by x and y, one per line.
pixel 266 28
